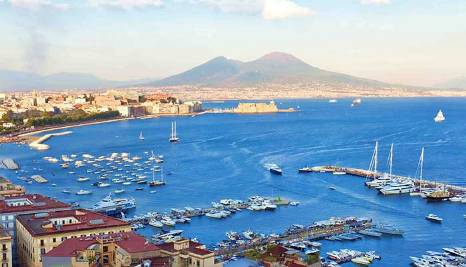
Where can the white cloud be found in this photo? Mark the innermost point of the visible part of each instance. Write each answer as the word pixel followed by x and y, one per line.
pixel 37 4
pixel 283 9
pixel 126 4
pixel 375 2
pixel 268 9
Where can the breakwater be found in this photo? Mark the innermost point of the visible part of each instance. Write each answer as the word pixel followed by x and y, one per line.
pixel 39 143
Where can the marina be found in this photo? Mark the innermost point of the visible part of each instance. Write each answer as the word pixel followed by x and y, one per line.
pixel 227 162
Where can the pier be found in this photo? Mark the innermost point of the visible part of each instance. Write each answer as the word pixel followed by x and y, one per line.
pixel 39 143
pixel 9 164
pixel 455 190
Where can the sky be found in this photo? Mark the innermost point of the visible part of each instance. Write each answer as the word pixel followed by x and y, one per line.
pixel 416 42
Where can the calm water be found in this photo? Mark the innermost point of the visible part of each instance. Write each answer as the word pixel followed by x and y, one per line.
pixel 222 156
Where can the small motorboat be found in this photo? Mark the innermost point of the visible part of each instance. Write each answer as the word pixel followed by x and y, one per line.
pixel 434 218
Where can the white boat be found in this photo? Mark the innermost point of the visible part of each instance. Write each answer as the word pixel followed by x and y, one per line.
pixel 155 223
pixel 173 138
pixel 339 173
pixel 333 101
pixel 363 260
pixel 141 137
pixel 83 179
pixel 439 117
pixel 397 188
pixel 434 218
pixel 356 102
pixel 83 192
pixel 103 185
pixel 168 221
pixel 119 191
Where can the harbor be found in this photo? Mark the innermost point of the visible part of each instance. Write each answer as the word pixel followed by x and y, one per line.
pixel 227 162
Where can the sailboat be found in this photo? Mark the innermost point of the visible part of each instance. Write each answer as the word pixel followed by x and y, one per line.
pixel 156 182
pixel 420 170
pixel 173 137
pixel 440 117
pixel 141 137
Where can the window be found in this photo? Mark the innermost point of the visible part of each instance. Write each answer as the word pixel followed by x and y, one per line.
pixel 41 242
pixel 4 246
pixel 4 256
pixel 10 217
pixel 198 263
pixel 54 240
pixel 105 249
pixel 42 251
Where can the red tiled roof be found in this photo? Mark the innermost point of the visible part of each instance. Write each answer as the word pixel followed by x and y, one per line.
pixel 129 241
pixel 194 248
pixel 87 220
pixel 295 264
pixel 277 251
pixel 39 203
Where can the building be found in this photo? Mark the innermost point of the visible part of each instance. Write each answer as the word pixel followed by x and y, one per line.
pixel 39 233
pixel 186 253
pixel 7 188
pixel 117 249
pixel 256 108
pixel 10 207
pixel 5 246
pixel 131 111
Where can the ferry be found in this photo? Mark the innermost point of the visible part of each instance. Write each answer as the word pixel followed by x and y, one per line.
pixel 113 206
pixel 434 218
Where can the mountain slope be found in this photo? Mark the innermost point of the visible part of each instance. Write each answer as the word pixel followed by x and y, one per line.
pixel 457 83
pixel 277 68
pixel 17 81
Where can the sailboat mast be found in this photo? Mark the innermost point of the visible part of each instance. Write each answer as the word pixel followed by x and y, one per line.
pixel 421 168
pixel 376 153
pixel 391 159
pixel 175 129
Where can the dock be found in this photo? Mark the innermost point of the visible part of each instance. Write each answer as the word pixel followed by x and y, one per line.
pixel 9 164
pixel 366 174
pixel 39 143
pixel 39 179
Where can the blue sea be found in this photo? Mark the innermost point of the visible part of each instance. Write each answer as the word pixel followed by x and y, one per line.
pixel 223 156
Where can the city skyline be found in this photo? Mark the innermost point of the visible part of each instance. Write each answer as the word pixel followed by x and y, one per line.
pixel 391 41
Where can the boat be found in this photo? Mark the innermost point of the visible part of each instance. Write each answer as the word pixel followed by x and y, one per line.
pixel 168 221
pixel 141 137
pixel 249 234
pixel 362 260
pixel 339 173
pixel 139 189
pixel 173 138
pixel 356 102
pixel 156 182
pixel 333 101
pixel 155 223
pixel 438 195
pixel 39 179
pixel 434 218
pixel 275 169
pixel 439 117
pixel 397 188
pixel 102 185
pixel 305 170
pixel 387 229
pixel 370 232
pixel 83 179
pixel 66 191
pixel 119 191
pixel 112 206
pixel 83 192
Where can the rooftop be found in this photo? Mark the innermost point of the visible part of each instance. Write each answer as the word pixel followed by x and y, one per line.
pixel 129 241
pixel 194 247
pixel 74 220
pixel 30 202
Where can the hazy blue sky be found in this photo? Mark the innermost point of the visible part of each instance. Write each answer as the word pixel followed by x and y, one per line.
pixel 408 41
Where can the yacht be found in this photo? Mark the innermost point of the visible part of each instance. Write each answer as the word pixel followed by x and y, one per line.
pixel 112 206
pixel 390 230
pixel 333 101
pixel 103 185
pixel 434 218
pixel 141 137
pixel 155 223
pixel 438 195
pixel 66 191
pixel 173 138
pixel 167 221
pixel 439 117
pixel 83 192
pixel 356 102
pixel 397 188
pixel 119 191
pixel 156 182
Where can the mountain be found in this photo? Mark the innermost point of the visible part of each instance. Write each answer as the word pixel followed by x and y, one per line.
pixel 17 81
pixel 276 68
pixel 456 83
